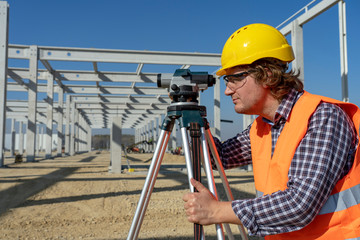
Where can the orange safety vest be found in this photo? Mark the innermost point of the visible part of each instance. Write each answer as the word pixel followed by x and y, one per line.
pixel 339 218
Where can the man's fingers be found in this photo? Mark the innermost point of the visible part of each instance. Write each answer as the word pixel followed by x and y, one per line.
pixel 198 185
pixel 186 197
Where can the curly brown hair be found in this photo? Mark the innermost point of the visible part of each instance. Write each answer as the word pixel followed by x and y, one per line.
pixel 279 80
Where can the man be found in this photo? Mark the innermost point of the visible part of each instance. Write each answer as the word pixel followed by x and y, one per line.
pixel 303 147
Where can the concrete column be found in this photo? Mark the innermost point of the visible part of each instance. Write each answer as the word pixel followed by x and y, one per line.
pixel 4 34
pixel 151 134
pixel 37 139
pixel 32 102
pixel 84 133
pixel 217 111
pixel 85 127
pixel 143 145
pixel 155 132
pixel 147 136
pixel 159 126
pixel 89 139
pixel 60 133
pixel 76 133
pixel 67 126
pixel 72 132
pixel 143 130
pixel 49 115
pixel 298 47
pixel 21 138
pixel 343 51
pixel 115 146
pixel 136 135
pixel 13 134
pixel 80 133
pixel 41 136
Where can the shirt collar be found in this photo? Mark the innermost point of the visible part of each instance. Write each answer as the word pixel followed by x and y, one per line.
pixel 285 107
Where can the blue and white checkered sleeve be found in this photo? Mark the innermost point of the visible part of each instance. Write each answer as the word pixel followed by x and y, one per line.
pixel 236 151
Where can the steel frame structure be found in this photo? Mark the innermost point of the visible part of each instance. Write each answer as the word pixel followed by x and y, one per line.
pixel 95 97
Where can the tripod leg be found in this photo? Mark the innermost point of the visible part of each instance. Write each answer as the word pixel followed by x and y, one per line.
pixel 189 162
pixel 149 184
pixel 187 153
pixel 224 180
pixel 195 135
pixel 211 181
pixel 152 181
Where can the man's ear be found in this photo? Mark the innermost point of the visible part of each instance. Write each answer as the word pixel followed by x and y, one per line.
pixel 265 86
pixel 268 72
pixel 268 75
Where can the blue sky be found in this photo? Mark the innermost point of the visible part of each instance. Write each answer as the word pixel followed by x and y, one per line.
pixel 189 26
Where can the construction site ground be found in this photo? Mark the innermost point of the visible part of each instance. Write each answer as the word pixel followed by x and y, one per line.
pixel 76 197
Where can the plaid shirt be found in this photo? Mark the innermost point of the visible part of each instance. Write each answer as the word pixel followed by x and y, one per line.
pixel 323 157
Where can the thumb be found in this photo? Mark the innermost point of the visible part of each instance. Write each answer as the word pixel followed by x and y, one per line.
pixel 198 185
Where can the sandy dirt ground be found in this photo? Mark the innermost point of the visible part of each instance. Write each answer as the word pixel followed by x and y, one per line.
pixel 77 198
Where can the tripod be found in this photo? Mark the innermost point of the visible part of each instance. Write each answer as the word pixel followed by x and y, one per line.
pixel 191 118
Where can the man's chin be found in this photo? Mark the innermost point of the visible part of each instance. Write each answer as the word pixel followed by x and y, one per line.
pixel 240 110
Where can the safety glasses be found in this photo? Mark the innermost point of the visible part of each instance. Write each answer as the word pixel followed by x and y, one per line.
pixel 236 80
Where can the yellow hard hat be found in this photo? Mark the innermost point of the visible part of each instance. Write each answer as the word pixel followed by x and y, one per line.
pixel 253 42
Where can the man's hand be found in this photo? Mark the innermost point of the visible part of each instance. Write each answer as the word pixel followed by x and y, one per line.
pixel 201 207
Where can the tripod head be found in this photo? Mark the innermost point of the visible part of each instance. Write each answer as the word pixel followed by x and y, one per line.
pixel 184 85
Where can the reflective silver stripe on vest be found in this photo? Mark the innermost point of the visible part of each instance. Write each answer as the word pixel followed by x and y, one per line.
pixel 358 238
pixel 342 200
pixel 337 202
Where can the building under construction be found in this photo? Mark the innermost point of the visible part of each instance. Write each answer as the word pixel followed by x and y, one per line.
pixel 86 100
